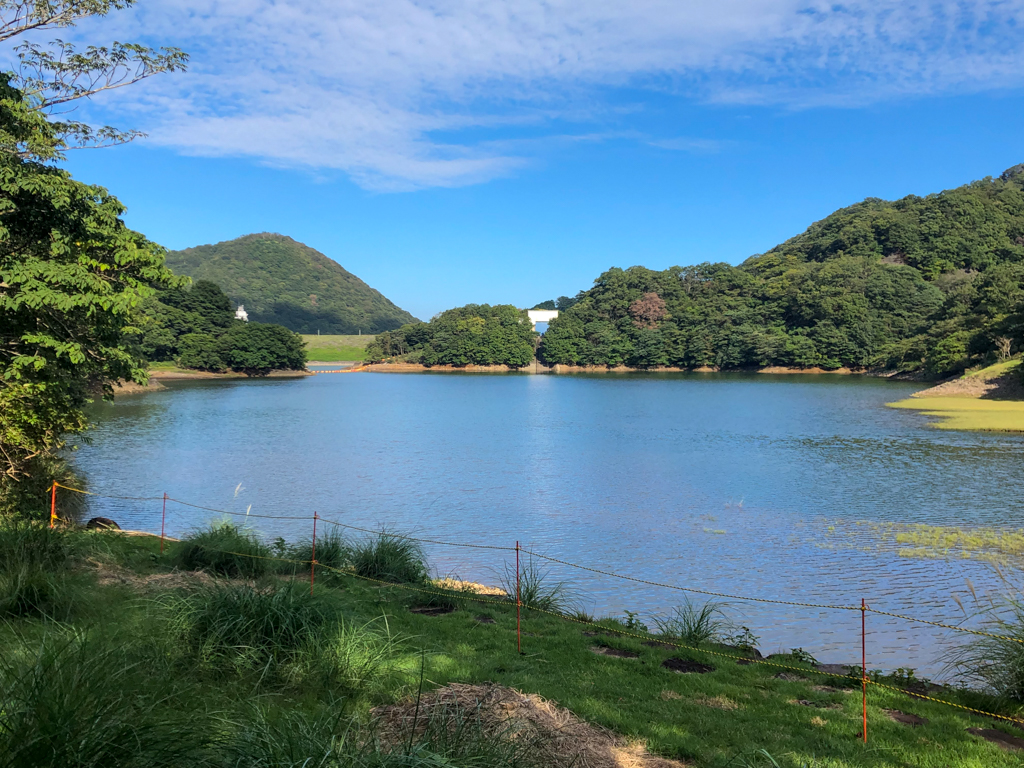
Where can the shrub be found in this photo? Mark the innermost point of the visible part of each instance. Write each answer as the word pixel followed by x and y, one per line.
pixel 224 548
pixel 388 557
pixel 693 624
pixel 75 703
pixel 245 626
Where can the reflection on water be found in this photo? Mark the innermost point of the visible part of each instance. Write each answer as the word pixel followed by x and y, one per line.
pixel 723 482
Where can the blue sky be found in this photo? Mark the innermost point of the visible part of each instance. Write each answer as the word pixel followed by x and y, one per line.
pixel 452 152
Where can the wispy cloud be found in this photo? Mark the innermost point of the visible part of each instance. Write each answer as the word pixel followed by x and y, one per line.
pixel 404 94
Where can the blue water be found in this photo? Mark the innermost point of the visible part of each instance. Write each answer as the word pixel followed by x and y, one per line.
pixel 725 482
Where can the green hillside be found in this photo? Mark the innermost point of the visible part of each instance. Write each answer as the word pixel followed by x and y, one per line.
pixel 283 281
pixel 931 283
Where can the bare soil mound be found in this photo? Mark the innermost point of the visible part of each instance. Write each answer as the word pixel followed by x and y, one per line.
pixel 560 738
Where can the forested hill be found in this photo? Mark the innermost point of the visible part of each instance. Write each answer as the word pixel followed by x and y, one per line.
pixel 283 281
pixel 930 283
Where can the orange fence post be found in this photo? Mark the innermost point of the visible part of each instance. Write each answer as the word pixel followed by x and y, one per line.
pixel 312 559
pixel 163 518
pixel 864 664
pixel 53 504
pixel 519 636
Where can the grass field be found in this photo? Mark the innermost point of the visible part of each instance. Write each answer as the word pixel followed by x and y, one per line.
pixel 130 603
pixel 969 413
pixel 334 349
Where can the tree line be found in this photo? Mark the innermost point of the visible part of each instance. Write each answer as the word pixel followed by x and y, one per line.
pixel 925 284
pixel 476 334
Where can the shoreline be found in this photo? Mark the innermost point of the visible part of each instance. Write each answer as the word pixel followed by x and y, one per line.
pixel 537 368
pixel 989 400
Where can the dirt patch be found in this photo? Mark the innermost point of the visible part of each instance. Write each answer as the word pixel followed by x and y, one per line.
pixel 604 650
pixel 1004 740
pixel 789 677
pixel 717 702
pixel 685 666
pixel 558 738
pixel 107 575
pixel 830 689
pixel 816 704
pixel 485 620
pixel 1007 386
pixel 432 610
pixel 905 717
pixel 657 644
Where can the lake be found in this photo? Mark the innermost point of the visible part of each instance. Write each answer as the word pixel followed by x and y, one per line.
pixel 759 485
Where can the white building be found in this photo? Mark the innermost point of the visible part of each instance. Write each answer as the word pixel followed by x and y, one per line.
pixel 541 316
pixel 241 314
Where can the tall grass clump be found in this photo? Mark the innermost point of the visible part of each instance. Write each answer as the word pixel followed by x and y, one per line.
pixel 537 588
pixel 995 664
pixel 243 626
pixel 332 551
pixel 354 659
pixel 225 549
pixel 72 702
pixel 389 557
pixel 695 623
pixel 35 561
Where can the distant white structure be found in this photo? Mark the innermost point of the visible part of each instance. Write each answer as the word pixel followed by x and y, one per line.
pixel 541 316
pixel 241 314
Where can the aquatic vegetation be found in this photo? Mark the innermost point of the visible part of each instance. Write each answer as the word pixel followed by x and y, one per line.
pixel 969 413
pixel 917 540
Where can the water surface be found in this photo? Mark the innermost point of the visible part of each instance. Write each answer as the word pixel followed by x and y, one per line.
pixel 725 482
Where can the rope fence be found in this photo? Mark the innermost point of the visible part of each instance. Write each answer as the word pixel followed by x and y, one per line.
pixel 863 678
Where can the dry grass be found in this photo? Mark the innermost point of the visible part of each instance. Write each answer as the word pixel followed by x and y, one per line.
pixel 717 702
pixel 560 738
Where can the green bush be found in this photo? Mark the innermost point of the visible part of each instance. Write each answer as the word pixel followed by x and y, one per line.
pixel 389 557
pixel 225 549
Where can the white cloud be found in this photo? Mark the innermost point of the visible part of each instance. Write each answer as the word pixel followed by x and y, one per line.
pixel 402 94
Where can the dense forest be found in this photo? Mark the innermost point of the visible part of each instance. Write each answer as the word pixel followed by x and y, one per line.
pixel 928 284
pixel 283 281
pixel 196 328
pixel 476 334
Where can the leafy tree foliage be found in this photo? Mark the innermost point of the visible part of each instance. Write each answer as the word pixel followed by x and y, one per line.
pixel 933 283
pixel 476 334
pixel 197 329
pixel 256 349
pixel 282 281
pixel 72 276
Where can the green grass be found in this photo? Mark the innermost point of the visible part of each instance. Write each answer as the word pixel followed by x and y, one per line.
pixel 996 369
pixel 366 647
pixel 969 413
pixel 331 349
pixel 224 549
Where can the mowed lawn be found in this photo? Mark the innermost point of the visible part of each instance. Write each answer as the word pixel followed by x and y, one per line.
pixel 336 348
pixel 969 412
